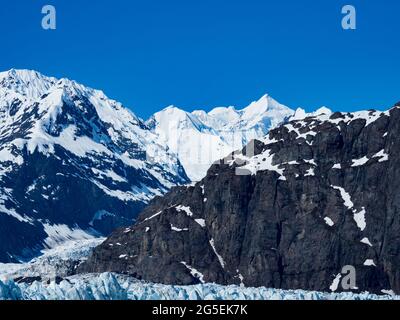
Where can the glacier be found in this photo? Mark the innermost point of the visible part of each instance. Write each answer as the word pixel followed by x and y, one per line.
pixel 50 277
pixel 109 286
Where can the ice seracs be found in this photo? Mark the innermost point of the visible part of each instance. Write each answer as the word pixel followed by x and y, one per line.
pixel 108 286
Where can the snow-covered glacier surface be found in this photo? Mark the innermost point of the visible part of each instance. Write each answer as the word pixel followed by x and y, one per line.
pixel 108 286
pixel 57 262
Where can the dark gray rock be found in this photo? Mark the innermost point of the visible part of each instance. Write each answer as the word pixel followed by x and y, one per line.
pixel 271 228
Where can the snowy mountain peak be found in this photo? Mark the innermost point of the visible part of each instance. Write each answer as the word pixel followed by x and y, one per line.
pixel 27 83
pixel 263 104
pixel 200 138
pixel 324 110
pixel 73 163
pixel 173 118
pixel 300 113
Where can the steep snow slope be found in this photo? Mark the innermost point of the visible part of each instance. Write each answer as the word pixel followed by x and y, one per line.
pixel 74 164
pixel 200 138
pixel 53 263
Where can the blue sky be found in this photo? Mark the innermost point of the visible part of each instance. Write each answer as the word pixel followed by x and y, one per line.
pixel 201 54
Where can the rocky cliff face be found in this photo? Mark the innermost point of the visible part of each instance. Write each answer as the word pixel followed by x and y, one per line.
pixel 317 194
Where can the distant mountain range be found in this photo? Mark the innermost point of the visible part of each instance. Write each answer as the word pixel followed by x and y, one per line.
pixel 200 138
pixel 75 164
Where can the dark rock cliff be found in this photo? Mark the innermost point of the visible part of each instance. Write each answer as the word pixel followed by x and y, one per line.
pixel 319 194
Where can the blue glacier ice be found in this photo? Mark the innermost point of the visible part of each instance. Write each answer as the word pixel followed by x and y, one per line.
pixel 109 286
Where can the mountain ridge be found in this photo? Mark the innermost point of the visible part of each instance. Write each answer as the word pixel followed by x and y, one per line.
pixel 73 163
pixel 316 195
pixel 199 138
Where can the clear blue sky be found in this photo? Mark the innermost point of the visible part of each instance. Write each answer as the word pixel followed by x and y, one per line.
pixel 206 53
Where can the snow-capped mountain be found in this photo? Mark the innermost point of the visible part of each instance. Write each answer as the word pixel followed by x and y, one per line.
pixel 200 138
pixel 73 163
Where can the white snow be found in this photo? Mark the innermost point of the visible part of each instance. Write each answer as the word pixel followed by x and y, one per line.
pixel 153 216
pixel 367 242
pixel 329 222
pixel 360 162
pixel 388 292
pixel 122 195
pixel 345 196
pixel 368 116
pixel 337 166
pixel 201 138
pixel 382 155
pixel 176 229
pixel 335 284
pixel 6 155
pixel 109 174
pixel 185 209
pixel 310 173
pixel 359 218
pixel 6 195
pixel 52 262
pixel 261 162
pixel 299 135
pixel 301 114
pixel 220 259
pixel 12 213
pixel 54 97
pixel 201 222
pixel 108 286
pixel 195 273
pixel 59 234
pixel 369 263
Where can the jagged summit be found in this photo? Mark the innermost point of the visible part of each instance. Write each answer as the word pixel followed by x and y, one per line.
pixel 300 113
pixel 28 83
pixel 73 163
pixel 200 138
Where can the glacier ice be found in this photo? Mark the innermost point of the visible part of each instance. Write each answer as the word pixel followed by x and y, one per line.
pixel 55 266
pixel 109 286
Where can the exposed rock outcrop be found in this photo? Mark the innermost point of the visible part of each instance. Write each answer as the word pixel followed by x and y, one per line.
pixel 319 194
